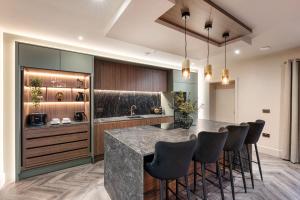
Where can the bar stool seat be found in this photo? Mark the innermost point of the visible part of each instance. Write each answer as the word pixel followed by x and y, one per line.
pixel 171 161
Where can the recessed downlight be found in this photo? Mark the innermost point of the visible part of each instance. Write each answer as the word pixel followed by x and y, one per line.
pixel 237 51
pixel 265 48
pixel 80 37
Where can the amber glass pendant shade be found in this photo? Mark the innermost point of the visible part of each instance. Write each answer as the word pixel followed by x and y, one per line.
pixel 208 72
pixel 186 70
pixel 225 77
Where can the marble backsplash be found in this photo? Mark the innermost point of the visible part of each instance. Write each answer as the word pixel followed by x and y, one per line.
pixel 118 103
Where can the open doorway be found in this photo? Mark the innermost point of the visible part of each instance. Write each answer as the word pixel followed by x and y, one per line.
pixel 222 102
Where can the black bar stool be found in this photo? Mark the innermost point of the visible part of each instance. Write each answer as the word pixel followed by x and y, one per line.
pixel 208 150
pixel 171 161
pixel 234 143
pixel 255 130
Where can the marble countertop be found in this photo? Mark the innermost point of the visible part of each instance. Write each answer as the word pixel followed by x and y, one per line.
pixel 113 119
pixel 142 139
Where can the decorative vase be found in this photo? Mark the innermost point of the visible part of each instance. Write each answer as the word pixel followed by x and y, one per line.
pixel 186 121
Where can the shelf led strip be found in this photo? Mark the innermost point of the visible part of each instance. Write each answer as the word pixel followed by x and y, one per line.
pixel 54 75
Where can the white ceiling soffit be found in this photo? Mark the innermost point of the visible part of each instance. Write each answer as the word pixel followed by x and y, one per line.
pixel 137 25
pixel 63 21
pixel 273 22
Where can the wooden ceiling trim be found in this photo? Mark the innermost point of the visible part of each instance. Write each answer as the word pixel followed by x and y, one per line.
pixel 201 10
pixel 228 15
pixel 188 32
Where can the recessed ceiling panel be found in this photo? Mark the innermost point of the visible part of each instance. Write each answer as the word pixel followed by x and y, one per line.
pixel 202 11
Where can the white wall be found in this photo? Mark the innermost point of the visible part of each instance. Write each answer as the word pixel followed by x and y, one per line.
pixel 258 87
pixel 1 111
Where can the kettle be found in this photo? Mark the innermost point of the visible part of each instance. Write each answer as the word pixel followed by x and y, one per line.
pixel 79 116
pixel 80 96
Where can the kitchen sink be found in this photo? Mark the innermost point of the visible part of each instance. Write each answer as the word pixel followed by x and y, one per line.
pixel 135 117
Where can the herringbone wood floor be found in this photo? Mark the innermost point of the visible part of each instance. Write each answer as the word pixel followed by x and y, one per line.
pixel 281 182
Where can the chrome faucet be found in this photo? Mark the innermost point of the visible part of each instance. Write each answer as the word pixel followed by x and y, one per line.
pixel 132 108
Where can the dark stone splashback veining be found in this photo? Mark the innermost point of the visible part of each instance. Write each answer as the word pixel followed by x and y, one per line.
pixel 115 104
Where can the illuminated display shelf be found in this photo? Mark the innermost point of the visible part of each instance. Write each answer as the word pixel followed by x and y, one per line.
pixel 63 93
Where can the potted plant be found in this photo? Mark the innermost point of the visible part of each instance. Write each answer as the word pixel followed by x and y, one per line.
pixel 36 118
pixel 36 92
pixel 186 107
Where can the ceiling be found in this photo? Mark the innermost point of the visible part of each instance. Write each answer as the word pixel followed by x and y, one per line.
pixel 128 27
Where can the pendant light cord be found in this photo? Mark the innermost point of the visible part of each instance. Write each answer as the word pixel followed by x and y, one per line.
pixel 225 52
pixel 185 37
pixel 207 46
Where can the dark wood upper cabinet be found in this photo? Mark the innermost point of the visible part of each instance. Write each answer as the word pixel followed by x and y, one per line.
pixel 118 76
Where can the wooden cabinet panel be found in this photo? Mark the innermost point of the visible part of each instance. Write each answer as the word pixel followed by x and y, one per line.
pixel 99 129
pixel 119 76
pixel 107 76
pixel 159 80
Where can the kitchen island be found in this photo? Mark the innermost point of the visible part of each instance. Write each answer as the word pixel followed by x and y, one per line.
pixel 126 149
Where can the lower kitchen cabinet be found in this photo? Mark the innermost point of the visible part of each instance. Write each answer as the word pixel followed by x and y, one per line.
pixel 51 145
pixel 100 127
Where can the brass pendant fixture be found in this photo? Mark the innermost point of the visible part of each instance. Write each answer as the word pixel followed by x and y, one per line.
pixel 225 71
pixel 208 67
pixel 186 70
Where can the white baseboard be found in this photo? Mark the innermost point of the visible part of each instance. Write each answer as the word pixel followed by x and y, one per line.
pixel 268 150
pixel 2 179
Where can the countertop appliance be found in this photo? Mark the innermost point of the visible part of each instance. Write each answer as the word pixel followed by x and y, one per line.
pixel 79 116
pixel 37 119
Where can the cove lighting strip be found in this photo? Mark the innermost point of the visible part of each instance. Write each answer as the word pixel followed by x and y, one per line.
pixel 45 74
pixel 59 103
pixel 125 91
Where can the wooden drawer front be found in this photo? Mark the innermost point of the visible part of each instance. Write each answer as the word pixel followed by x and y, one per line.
pixel 52 131
pixel 52 145
pixel 46 141
pixel 55 158
pixel 46 150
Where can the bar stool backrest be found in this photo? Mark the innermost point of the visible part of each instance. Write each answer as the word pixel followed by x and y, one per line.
pixel 172 160
pixel 210 146
pixel 236 137
pixel 255 130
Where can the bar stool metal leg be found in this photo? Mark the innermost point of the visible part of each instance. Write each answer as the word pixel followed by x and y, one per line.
pixel 258 161
pixel 231 176
pixel 167 192
pixel 242 170
pixel 176 191
pixel 224 154
pixel 203 181
pixel 220 180
pixel 161 189
pixel 250 165
pixel 195 175
pixel 187 187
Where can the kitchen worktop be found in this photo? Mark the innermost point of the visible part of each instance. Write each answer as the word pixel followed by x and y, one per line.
pixel 142 139
pixel 123 118
pixel 125 150
pixel 48 125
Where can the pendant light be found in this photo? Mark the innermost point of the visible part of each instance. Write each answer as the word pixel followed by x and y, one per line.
pixel 225 72
pixel 208 67
pixel 186 70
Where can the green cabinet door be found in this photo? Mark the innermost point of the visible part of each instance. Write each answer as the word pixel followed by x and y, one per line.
pixel 76 62
pixel 38 57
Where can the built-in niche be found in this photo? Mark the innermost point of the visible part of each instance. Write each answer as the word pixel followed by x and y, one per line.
pixel 118 103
